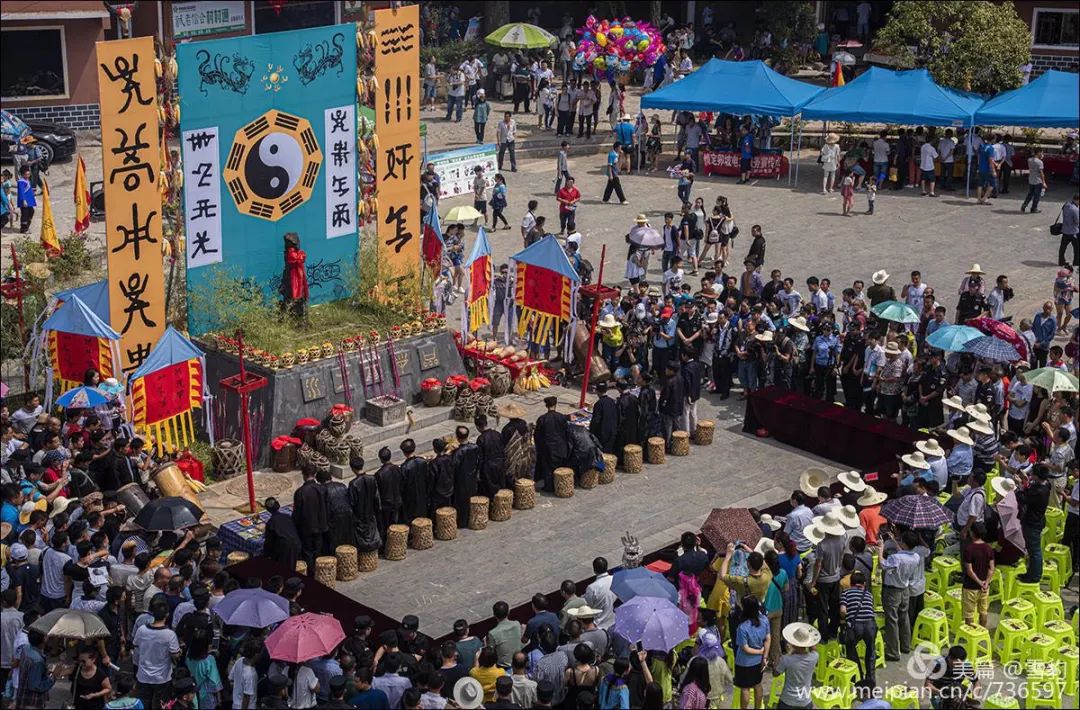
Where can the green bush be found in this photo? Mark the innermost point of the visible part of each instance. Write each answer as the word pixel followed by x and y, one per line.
pixel 453 53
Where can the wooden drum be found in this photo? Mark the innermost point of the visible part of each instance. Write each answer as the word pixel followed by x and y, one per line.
pixel 524 493
pixel 656 449
pixel 347 565
pixel 171 482
pixel 446 523
pixel 397 538
pixel 632 461
pixel 420 534
pixel 564 482
pixel 133 497
pixel 703 435
pixel 367 561
pixel 326 570
pixel 501 505
pixel 680 443
pixel 478 513
pixel 608 474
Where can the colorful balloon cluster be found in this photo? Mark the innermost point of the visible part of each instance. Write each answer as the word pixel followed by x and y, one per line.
pixel 611 47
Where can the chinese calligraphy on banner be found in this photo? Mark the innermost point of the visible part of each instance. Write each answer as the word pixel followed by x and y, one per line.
pixel 131 159
pixel 340 141
pixel 762 165
pixel 397 125
pixel 202 208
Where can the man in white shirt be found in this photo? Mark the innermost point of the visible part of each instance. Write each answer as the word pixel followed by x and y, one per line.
pixel 947 153
pixel 529 220
pixel 599 596
pixel 156 648
pixel 927 155
pixel 998 296
pixel 455 97
pixel 506 132
pixel 1036 182
pixel 472 79
pixel 1019 402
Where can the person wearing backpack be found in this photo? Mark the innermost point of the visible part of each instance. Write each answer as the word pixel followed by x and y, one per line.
pixel 973 506
pixel 614 692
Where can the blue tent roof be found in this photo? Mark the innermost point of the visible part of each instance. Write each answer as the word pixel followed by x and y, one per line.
pixel 170 349
pixel 1051 101
pixel 76 317
pixel 95 295
pixel 547 254
pixel 734 87
pixel 886 96
pixel 481 247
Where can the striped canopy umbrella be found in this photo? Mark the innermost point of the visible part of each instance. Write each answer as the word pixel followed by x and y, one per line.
pixel 896 311
pixel 990 348
pixel 521 35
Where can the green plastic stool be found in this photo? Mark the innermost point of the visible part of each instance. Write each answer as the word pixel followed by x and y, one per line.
pixel 901 697
pixel 1055 526
pixel 1025 590
pixel 1043 688
pixel 775 688
pixel 1047 606
pixel 1050 576
pixel 1060 631
pixel 932 600
pixel 931 626
pixel 1021 610
pixel 842 674
pixel 879 650
pixel 1069 658
pixel 826 698
pixel 997 701
pixel 976 641
pixel 942 568
pixel 1006 576
pixel 1038 648
pixel 954 607
pixel 826 652
pixel 1061 555
pixel 1009 637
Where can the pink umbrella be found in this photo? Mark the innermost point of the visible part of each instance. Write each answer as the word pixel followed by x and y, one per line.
pixel 303 637
pixel 1002 331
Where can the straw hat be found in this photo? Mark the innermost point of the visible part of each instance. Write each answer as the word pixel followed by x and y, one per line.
pixel 915 460
pixel 769 521
pixel 712 317
pixel 981 427
pixel 879 277
pixel 29 507
pixel 583 612
pixel 978 412
pixel 799 323
pixel 852 481
pixel 512 411
pixel 832 139
pixel 641 219
pixel 871 497
pixel 608 321
pixel 953 402
pixel 814 533
pixel 625 117
pixel 765 545
pixel 975 270
pixel 962 434
pixel 830 523
pixel 848 516
pixel 765 337
pixel 60 504
pixel 468 693
pixel 930 447
pixel 1002 485
pixel 812 479
pixel 801 635
pixel 892 349
pixel 5 530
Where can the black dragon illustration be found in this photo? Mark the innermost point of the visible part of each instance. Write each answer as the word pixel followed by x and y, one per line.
pixel 230 73
pixel 309 67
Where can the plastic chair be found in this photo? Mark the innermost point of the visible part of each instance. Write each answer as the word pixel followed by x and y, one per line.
pixel 942 568
pixel 1043 688
pixel 1069 658
pixel 1006 576
pixel 1047 606
pixel 1060 555
pixel 1019 609
pixel 1050 576
pixel 954 607
pixel 1038 648
pixel 931 626
pixel 1060 631
pixel 976 641
pixel 1009 639
pixel 901 697
pixel 997 701
pixel 826 698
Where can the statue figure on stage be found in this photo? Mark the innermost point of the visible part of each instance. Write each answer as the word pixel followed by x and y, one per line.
pixel 294 284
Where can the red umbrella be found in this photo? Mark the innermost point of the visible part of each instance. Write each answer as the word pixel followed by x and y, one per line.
pixel 303 637
pixel 1003 331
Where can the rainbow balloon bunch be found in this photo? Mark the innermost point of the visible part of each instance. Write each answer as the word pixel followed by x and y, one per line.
pixel 611 47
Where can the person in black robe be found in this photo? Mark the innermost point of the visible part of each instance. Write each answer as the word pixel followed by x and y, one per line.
pixel 340 509
pixel 365 503
pixel 414 473
pixel 492 458
pixel 628 417
pixel 552 439
pixel 311 516
pixel 648 410
pixel 605 420
pixel 281 542
pixel 672 405
pixel 390 483
pixel 466 461
pixel 441 481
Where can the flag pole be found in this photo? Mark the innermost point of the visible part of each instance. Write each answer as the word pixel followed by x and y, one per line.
pixel 592 327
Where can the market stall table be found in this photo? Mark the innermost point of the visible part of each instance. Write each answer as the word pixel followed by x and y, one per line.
pixel 246 534
pixel 826 429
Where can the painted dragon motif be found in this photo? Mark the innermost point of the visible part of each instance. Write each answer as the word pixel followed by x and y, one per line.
pixel 230 73
pixel 314 60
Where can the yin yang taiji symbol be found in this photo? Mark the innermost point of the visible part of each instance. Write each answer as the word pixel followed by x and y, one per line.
pixel 273 165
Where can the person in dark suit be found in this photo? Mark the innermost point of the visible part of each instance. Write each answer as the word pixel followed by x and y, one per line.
pixel 339 508
pixel 389 479
pixel 364 499
pixel 552 439
pixel 281 542
pixel 604 424
pixel 311 514
pixel 627 417
pixel 441 482
pixel 415 483
pixel 672 405
pixel 492 457
pixel 466 462
pixel 648 410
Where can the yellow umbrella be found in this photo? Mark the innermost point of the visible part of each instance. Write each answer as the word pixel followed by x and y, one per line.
pixel 463 213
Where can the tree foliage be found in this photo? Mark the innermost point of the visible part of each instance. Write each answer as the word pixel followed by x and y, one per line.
pixel 974 45
pixel 788 20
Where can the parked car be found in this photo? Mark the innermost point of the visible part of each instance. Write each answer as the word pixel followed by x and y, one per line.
pixel 57 140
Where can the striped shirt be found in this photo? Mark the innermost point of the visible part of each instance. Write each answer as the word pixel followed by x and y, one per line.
pixel 858 604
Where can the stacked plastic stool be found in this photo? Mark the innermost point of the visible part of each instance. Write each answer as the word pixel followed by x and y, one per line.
pixel 1009 637
pixel 1038 648
pixel 932 628
pixel 1021 610
pixel 1047 606
pixel 975 640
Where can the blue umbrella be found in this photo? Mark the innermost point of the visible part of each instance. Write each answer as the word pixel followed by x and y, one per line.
pixel 896 311
pixel 952 338
pixel 81 398
pixel 643 582
pixel 654 622
pixel 256 608
pixel 12 127
pixel 990 348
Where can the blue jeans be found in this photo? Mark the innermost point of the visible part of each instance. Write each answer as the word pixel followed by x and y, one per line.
pixel 1033 197
pixel 452 103
pixel 1033 543
pixel 865 631
pixel 748 375
pixel 881 171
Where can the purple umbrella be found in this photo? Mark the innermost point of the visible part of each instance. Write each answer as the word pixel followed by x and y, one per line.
pixel 642 582
pixel 656 623
pixel 256 608
pixel 916 512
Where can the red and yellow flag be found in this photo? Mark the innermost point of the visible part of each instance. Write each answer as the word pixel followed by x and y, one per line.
pixel 49 238
pixel 82 198
pixel 838 74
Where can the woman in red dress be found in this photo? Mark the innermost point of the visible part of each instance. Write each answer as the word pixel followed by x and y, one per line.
pixel 294 284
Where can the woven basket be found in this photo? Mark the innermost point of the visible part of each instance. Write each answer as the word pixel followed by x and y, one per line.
pixel 680 443
pixel 656 449
pixel 367 561
pixel 564 482
pixel 524 493
pixel 326 570
pixel 235 557
pixel 420 534
pixel 478 513
pixel 301 568
pixel 589 479
pixel 446 523
pixel 608 474
pixel 397 540
pixel 632 461
pixel 703 435
pixel 347 569
pixel 501 505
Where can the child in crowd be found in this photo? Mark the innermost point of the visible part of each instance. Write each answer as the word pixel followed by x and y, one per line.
pixel 871 195
pixel 847 192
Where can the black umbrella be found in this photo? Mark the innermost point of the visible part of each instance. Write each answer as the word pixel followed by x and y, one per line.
pixel 173 513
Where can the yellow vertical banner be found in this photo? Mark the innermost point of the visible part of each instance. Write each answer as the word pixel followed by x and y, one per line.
pixel 131 156
pixel 398 162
